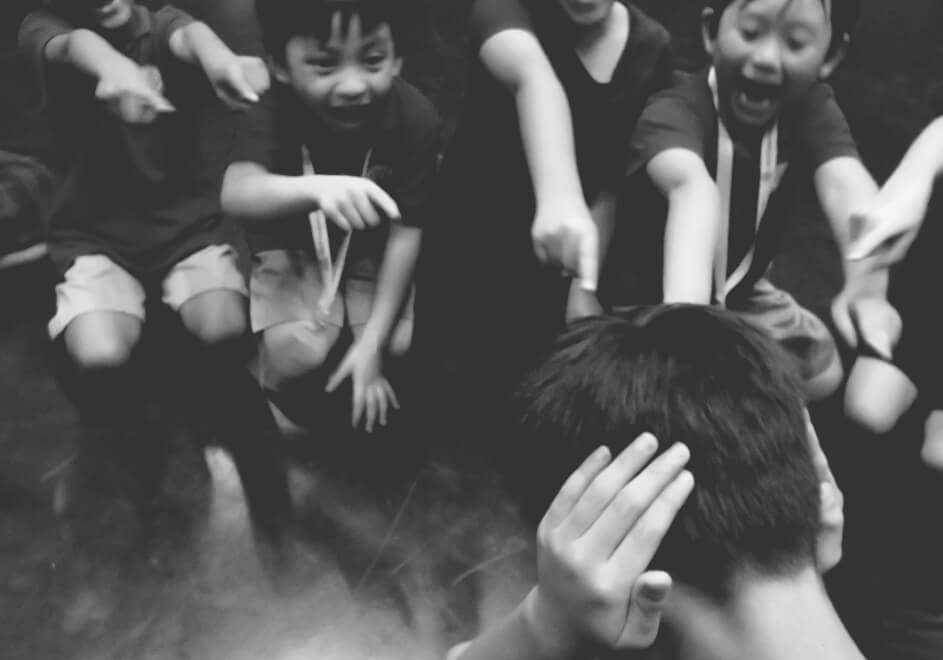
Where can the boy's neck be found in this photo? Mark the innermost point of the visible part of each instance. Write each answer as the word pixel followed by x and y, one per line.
pixel 766 619
pixel 600 46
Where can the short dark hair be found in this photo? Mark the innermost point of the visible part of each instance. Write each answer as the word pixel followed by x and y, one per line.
pixel 844 17
pixel 282 20
pixel 687 374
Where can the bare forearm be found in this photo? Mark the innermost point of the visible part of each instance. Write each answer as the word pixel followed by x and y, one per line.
pixel 547 136
pixel 86 51
pixel 691 235
pixel 393 283
pixel 924 159
pixel 252 194
pixel 198 44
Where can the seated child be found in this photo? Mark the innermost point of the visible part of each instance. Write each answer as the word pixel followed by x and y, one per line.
pixel 334 175
pixel 756 123
pixel 741 538
pixel 885 390
pixel 138 213
pixel 553 94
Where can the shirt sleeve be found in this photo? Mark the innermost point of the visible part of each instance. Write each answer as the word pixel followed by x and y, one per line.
pixel 824 133
pixel 255 139
pixel 670 120
pixel 37 30
pixel 488 17
pixel 167 20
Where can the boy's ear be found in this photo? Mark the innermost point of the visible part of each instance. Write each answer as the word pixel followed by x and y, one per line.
pixel 397 65
pixel 838 54
pixel 709 25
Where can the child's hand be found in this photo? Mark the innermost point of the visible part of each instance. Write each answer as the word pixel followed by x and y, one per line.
pixel 595 543
pixel 240 81
pixel 889 227
pixel 133 93
pixel 373 396
pixel 352 202
pixel 877 323
pixel 565 236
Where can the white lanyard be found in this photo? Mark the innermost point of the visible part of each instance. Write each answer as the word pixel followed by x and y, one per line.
pixel 769 181
pixel 331 270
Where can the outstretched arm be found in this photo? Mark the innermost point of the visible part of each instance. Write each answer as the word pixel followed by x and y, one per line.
pixel 693 224
pixel 238 80
pixel 892 221
pixel 594 546
pixel 252 194
pixel 563 231
pixel 126 88
pixel 373 394
pixel 844 186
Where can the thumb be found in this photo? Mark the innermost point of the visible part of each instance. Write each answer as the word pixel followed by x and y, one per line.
pixel 646 605
pixel 339 376
pixel 243 88
pixel 589 259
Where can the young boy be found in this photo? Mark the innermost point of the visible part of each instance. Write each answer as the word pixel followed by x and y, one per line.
pixel 753 124
pixel 885 390
pixel 553 94
pixel 741 539
pixel 342 154
pixel 141 138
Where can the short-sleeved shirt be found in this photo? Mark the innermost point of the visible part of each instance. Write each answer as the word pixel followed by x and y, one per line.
pixel 144 195
pixel 483 297
pixel 811 132
pixel 400 153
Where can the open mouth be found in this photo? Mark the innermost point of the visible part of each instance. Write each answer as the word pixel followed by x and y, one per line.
pixel 352 115
pixel 757 97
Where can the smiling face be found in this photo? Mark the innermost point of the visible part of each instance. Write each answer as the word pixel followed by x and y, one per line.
pixel 108 14
pixel 766 54
pixel 344 78
pixel 586 12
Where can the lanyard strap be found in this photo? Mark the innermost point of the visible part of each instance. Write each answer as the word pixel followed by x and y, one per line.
pixel 331 270
pixel 769 180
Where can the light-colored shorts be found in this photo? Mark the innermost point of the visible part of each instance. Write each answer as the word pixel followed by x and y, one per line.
pixel 286 287
pixel 796 329
pixel 95 283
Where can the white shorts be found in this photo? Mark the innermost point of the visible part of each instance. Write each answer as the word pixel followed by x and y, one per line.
pixel 95 283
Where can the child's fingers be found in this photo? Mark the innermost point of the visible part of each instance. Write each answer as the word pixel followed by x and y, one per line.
pixel 632 502
pixel 589 260
pixel 607 485
pixel 841 315
pixel 391 394
pixel 649 594
pixel 370 408
pixel 382 405
pixel 338 377
pixel 868 243
pixel 382 200
pixel 574 487
pixel 640 544
pixel 366 210
pixel 358 405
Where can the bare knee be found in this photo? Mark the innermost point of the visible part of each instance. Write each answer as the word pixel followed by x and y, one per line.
pixel 825 383
pixel 102 340
pixel 402 339
pixel 216 317
pixel 290 351
pixel 877 394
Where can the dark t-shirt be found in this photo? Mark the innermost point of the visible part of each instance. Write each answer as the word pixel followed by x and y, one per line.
pixel 811 132
pixel 482 290
pixel 144 195
pixel 403 151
